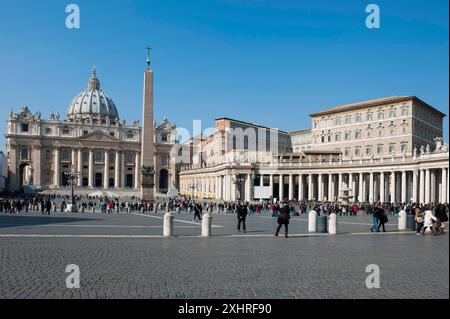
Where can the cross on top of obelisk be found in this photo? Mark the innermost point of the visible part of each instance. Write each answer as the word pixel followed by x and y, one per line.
pixel 148 57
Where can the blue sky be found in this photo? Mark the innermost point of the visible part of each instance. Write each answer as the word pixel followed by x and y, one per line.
pixel 269 62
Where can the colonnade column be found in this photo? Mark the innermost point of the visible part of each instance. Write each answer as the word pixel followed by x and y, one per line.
pixel 330 187
pixel 310 187
pixel 403 197
pixel 360 186
pixel 427 186
pixel 281 188
pixel 444 186
pixel 291 187
pixel 339 186
pixel 382 184
pixel 300 187
pixel 271 185
pixel 422 186
pixel 57 177
pixel 320 188
pixel 371 192
pixel 414 186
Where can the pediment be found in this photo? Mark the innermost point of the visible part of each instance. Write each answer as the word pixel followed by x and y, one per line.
pixel 98 136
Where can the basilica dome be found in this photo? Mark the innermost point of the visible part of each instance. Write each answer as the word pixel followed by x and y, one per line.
pixel 93 103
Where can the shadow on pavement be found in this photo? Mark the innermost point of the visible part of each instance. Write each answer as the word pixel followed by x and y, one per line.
pixel 17 220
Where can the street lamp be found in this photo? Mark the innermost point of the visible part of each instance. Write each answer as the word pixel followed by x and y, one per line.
pixel 73 176
pixel 237 180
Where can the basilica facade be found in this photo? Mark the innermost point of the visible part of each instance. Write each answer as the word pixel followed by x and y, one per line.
pixel 92 139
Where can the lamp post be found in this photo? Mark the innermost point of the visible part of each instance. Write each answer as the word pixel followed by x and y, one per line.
pixel 73 176
pixel 237 180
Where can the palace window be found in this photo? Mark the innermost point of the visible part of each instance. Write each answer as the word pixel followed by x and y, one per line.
pixel 347 136
pixel 48 130
pixel 163 160
pixel 24 154
pixel 337 137
pixel 348 119
pixel 391 149
pixel 98 157
pixel 65 156
pixel 130 136
pixel 358 118
pixel 357 151
pixel 347 152
pixel 337 121
pixel 380 115
pixel 379 149
pixel 66 131
pixel 391 113
pixel 164 137
pixel 130 158
pixel 25 127
pixel 358 134
pixel 368 151
pixel 369 116
pixel 404 147
pixel 405 111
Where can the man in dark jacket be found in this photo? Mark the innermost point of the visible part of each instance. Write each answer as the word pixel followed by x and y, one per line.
pixel 283 219
pixel 242 215
pixel 441 215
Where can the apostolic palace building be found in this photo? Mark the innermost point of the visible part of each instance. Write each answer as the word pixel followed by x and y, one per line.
pixel 388 149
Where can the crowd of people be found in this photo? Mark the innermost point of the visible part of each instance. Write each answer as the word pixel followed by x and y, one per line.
pixel 430 216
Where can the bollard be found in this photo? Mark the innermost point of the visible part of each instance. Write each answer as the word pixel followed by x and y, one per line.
pixel 168 224
pixel 402 220
pixel 206 225
pixel 312 221
pixel 128 209
pixel 178 210
pixel 332 224
pixel 93 209
pixel 189 210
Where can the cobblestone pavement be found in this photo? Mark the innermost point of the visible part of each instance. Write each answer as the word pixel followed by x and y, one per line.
pixel 124 256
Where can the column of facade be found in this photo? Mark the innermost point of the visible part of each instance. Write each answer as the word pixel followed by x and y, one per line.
pixel 57 177
pixel 122 169
pixel 73 160
pixel 37 169
pixel 137 171
pixel 310 187
pixel 291 187
pixel 320 188
pixel 281 187
pixel 91 168
pixel 422 186
pixel 80 167
pixel 106 170
pixel 117 170
pixel 444 186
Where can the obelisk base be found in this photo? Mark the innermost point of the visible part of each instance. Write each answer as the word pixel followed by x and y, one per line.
pixel 147 186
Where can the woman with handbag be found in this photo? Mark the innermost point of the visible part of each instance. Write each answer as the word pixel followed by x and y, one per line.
pixel 419 218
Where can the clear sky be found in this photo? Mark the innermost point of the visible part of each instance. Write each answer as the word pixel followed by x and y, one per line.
pixel 269 62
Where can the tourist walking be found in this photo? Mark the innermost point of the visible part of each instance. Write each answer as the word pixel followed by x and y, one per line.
pixel 197 212
pixel 382 217
pixel 419 218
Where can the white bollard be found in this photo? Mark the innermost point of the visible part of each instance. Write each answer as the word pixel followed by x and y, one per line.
pixel 168 224
pixel 312 218
pixel 206 225
pixel 402 220
pixel 178 210
pixel 332 224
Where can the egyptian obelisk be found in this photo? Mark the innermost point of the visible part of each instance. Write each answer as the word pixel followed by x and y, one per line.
pixel 147 150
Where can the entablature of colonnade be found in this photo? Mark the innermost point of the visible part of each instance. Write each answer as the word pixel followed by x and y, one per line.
pixel 397 163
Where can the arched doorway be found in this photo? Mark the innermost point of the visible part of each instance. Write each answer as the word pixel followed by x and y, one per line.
pixel 163 180
pixel 98 180
pixel 25 175
pixel 129 180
